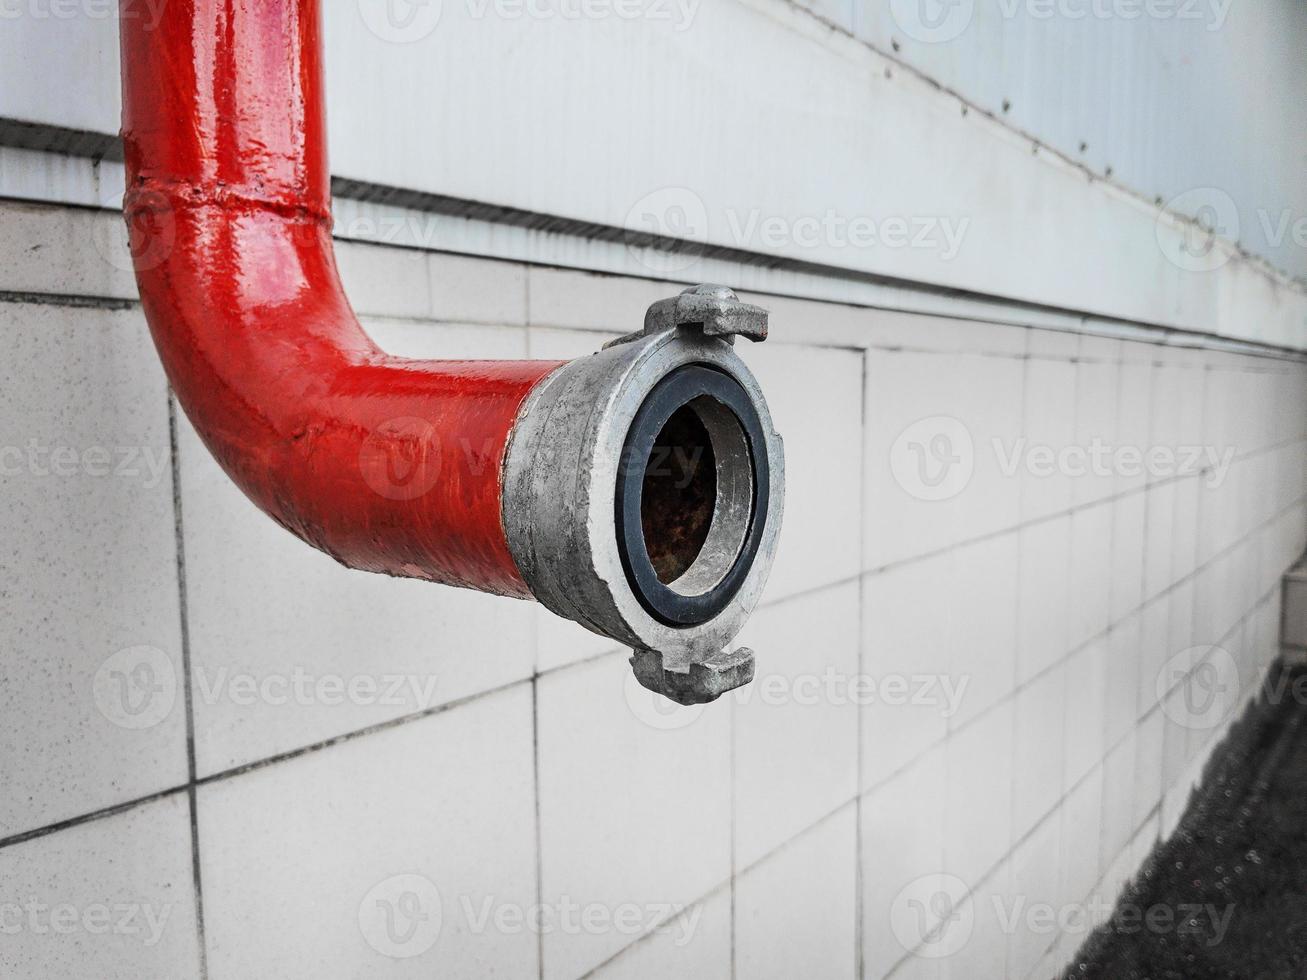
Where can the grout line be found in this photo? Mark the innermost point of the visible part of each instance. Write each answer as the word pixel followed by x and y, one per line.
pixel 458 702
pixel 109 811
pixel 187 693
pixel 859 955
pixel 540 857
pixel 733 708
pixel 357 733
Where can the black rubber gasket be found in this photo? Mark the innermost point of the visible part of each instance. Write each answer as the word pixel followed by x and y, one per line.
pixel 679 388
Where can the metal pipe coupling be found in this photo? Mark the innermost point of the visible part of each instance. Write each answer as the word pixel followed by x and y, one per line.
pixel 643 492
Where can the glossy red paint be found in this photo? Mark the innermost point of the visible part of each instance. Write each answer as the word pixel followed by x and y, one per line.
pixel 389 465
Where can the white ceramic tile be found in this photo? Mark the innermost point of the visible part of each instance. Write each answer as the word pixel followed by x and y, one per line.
pixel 91 712
pixel 1148 767
pixel 983 625
pixel 1036 884
pixel 795 913
pixel 1159 528
pixel 941 430
pixel 567 298
pixel 1118 800
pixel 1049 430
pixel 1043 610
pixel 1154 651
pixel 1121 680
pixel 1096 418
pixel 696 943
pixel 796 724
pixel 634 802
pixel 978 816
pixel 1082 815
pixel 423 339
pixel 902 860
pixel 409 852
pixel 476 290
pixel 383 281
pixel 319 649
pixel 113 898
pixel 1037 773
pixel 1127 577
pixel 987 914
pixel 1086 679
pixel 1091 573
pixel 65 251
pixel 1133 433
pixel 821 425
pixel 906 630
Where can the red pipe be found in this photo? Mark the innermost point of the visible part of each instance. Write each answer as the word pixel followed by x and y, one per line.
pixel 389 465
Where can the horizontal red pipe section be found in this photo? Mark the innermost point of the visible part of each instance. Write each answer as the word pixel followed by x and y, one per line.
pixel 390 465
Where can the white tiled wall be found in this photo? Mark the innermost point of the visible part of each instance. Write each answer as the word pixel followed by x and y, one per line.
pixel 965 706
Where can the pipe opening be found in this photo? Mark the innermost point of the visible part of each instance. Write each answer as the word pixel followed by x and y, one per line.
pixel 679 494
pixel 688 527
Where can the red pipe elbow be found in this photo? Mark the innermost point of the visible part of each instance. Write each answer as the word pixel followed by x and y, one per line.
pixel 389 465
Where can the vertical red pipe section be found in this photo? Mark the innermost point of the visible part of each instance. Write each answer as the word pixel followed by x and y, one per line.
pixel 389 465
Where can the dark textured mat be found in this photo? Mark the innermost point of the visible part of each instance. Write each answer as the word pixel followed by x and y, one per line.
pixel 1229 889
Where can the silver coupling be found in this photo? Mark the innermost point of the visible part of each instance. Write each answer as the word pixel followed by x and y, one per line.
pixel 644 488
